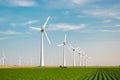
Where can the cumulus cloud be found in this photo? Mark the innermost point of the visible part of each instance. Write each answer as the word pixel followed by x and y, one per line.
pixel 22 3
pixel 113 31
pixel 3 19
pixel 82 2
pixel 110 13
pixel 11 32
pixel 66 27
pixel 107 21
pixel 3 38
pixel 118 25
pixel 30 22
pixel 68 3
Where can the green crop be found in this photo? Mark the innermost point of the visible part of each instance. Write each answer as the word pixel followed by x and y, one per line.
pixel 82 73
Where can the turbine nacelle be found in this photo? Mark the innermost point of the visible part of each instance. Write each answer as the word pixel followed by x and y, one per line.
pixel 42 29
pixel 64 43
pixel 73 49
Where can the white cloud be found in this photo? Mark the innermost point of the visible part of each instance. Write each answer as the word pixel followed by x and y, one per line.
pixel 118 25
pixel 3 19
pixel 68 3
pixel 11 32
pixel 107 21
pixel 113 31
pixel 22 3
pixel 110 13
pixel 66 27
pixel 82 2
pixel 13 24
pixel 30 22
pixel 3 38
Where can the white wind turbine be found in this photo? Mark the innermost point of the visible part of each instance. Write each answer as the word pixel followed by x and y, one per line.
pixel 81 54
pixel 20 60
pixel 80 57
pixel 87 60
pixel 64 45
pixel 31 60
pixel 0 61
pixel 3 58
pixel 43 31
pixel 74 50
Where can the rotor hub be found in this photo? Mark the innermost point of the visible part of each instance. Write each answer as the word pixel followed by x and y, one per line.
pixel 73 49
pixel 64 43
pixel 42 29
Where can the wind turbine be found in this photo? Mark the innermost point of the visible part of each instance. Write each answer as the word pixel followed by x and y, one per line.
pixel 31 60
pixel 3 58
pixel 74 50
pixel 83 58
pixel 64 44
pixel 87 60
pixel 80 57
pixel 43 31
pixel 20 60
pixel 81 53
pixel 0 61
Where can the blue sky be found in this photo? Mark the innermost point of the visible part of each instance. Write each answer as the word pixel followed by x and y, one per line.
pixel 93 25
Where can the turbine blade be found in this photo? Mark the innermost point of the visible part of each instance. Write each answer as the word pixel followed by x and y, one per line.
pixel 47 37
pixel 71 46
pixel 76 48
pixel 35 28
pixel 46 22
pixel 65 38
pixel 3 56
pixel 78 51
pixel 68 47
pixel 60 45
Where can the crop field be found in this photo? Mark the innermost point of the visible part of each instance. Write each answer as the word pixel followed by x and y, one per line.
pixel 81 73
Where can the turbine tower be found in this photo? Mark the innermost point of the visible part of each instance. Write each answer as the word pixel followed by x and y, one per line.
pixel 87 60
pixel 20 60
pixel 79 59
pixel 83 56
pixel 43 31
pixel 31 60
pixel 3 58
pixel 0 61
pixel 64 44
pixel 74 50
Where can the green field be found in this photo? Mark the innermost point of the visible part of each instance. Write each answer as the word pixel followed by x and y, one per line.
pixel 86 73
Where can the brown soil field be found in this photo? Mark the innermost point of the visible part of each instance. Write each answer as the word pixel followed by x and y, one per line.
pixel 17 66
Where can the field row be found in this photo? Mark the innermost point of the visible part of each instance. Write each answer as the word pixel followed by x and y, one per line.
pixel 86 73
pixel 103 74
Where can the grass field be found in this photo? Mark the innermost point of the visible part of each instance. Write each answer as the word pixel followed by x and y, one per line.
pixel 88 73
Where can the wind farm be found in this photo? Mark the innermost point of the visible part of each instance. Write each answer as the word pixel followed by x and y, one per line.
pixel 59 40
pixel 79 70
